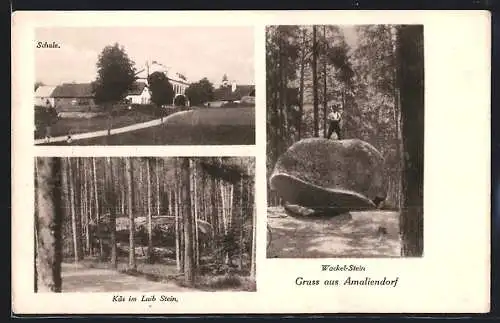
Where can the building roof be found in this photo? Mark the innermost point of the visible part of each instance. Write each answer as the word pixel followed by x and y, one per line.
pixel 226 93
pixel 73 90
pixel 44 91
pixel 137 88
pixel 173 76
pixel 84 90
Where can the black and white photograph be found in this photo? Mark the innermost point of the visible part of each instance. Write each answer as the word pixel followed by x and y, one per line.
pixel 144 224
pixel 345 140
pixel 145 180
pixel 144 86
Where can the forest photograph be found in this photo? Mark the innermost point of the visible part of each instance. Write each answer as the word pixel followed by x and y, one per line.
pixel 107 224
pixel 345 140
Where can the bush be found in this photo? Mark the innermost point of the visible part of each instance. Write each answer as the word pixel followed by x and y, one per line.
pixel 180 100
pixel 151 109
pixel 224 282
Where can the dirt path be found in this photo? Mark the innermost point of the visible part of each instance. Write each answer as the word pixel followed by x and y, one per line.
pixel 101 133
pixel 363 234
pixel 77 278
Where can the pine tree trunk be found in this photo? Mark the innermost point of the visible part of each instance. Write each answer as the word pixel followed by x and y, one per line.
pixel 77 245
pixel 97 209
pixel 301 99
pixel 397 119
pixel 214 215
pixel 283 93
pixel 112 214
pixel 86 207
pixel 315 83
pixel 196 211
pixel 124 197
pixel 150 219
pixel 189 265
pixel 177 234
pixel 325 102
pixel 158 187
pixel 48 225
pixel 241 224
pixel 181 224
pixel 130 184
pixel 170 202
pixel 411 82
pixel 281 96
pixel 236 213
pixel 254 243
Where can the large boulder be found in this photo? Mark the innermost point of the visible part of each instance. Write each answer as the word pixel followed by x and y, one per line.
pixel 336 175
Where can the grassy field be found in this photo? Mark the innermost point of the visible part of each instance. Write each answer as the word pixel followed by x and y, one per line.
pixel 208 126
pixel 92 274
pixel 64 126
pixel 359 234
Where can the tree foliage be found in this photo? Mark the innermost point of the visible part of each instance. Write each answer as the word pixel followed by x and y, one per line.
pixel 200 92
pixel 38 84
pixel 115 75
pixel 162 91
pixel 180 101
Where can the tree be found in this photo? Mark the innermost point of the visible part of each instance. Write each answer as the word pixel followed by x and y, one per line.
pixel 162 91
pixel 180 101
pixel 115 75
pixel 48 221
pixel 75 221
pixel 38 84
pixel 130 203
pixel 150 213
pixel 375 114
pixel 301 85
pixel 111 201
pixel 411 84
pixel 189 264
pixel 200 92
pixel 315 82
pixel 97 205
pixel 115 78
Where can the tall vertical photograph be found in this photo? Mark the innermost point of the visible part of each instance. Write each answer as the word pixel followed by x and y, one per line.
pixel 144 86
pixel 345 140
pixel 144 224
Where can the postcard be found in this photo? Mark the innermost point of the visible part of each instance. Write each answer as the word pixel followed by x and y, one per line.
pixel 251 162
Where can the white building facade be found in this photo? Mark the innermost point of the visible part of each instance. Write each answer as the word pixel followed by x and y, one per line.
pixel 43 96
pixel 179 81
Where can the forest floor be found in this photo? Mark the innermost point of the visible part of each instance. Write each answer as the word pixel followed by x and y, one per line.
pixel 360 234
pixel 79 278
pixel 93 275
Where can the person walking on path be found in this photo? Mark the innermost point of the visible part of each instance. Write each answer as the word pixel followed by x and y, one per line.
pixel 49 118
pixel 334 118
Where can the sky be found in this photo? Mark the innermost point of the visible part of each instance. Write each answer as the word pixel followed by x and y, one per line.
pixel 195 52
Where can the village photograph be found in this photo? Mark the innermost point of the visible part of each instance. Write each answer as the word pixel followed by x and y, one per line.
pixel 345 140
pixel 110 224
pixel 144 86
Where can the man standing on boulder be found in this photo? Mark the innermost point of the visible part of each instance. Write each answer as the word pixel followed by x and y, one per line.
pixel 334 122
